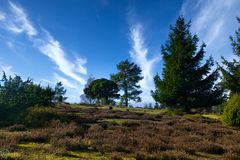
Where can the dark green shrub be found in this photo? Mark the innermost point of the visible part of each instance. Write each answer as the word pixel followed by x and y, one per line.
pixel 231 114
pixel 38 116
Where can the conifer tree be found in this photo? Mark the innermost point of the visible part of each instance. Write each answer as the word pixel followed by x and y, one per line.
pixel 231 71
pixel 60 91
pixel 127 78
pixel 186 83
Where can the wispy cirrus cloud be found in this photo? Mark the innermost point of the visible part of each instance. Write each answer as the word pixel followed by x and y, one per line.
pixel 71 71
pixel 66 82
pixel 17 21
pixel 53 49
pixel 214 21
pixel 139 54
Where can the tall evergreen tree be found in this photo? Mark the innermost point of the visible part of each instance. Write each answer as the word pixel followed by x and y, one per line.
pixel 186 83
pixel 231 70
pixel 60 91
pixel 127 78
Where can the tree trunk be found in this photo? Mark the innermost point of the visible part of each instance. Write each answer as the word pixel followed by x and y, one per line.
pixel 126 95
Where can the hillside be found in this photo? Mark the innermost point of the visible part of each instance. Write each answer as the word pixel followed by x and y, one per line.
pixel 96 132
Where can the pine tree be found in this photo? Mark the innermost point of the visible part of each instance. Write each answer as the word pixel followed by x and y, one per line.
pixel 186 83
pixel 60 92
pixel 231 75
pixel 127 79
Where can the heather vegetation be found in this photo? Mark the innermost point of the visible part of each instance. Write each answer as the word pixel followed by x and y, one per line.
pixel 196 114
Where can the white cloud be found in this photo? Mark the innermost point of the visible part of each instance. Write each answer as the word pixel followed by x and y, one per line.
pixel 65 81
pixel 7 69
pixel 2 16
pixel 139 55
pixel 16 20
pixel 74 90
pixel 53 49
pixel 214 21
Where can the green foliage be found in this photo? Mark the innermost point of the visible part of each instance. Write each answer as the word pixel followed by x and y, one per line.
pixel 16 95
pixel 186 83
pixel 103 90
pixel 231 114
pixel 231 71
pixel 19 94
pixel 127 78
pixel 60 92
pixel 84 97
pixel 38 116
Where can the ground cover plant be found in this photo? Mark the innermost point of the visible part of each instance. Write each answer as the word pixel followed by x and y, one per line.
pixel 95 132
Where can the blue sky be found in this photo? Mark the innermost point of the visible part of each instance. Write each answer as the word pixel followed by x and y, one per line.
pixel 69 40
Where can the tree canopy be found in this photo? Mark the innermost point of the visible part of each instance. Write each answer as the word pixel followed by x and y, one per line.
pixel 60 91
pixel 14 92
pixel 85 98
pixel 127 78
pixel 186 83
pixel 103 90
pixel 17 95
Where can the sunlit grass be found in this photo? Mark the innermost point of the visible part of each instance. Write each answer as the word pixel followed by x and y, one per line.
pixel 87 155
pixel 207 155
pixel 118 120
pixel 10 155
pixel 34 145
pixel 212 116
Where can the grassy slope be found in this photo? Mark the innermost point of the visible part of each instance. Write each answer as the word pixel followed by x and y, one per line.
pixel 118 120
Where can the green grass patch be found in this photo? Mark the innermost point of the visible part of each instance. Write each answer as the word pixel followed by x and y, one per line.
pixel 87 155
pixel 34 145
pixel 118 121
pixel 10 155
pixel 212 116
pixel 192 115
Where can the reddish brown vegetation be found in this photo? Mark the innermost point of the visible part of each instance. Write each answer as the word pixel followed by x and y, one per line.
pixel 142 136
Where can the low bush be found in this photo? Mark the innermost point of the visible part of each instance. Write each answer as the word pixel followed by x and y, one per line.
pixel 231 114
pixel 39 116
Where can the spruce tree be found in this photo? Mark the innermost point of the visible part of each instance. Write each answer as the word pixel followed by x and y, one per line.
pixel 231 70
pixel 186 83
pixel 127 78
